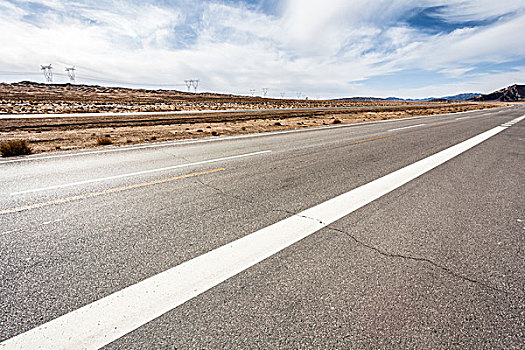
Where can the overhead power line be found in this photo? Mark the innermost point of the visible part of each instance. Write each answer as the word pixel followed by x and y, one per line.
pixel 49 74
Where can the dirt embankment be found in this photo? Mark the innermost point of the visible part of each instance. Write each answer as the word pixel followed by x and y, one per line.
pixel 52 134
pixel 32 98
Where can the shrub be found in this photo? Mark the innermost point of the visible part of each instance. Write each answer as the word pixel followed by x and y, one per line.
pixel 215 133
pixel 336 121
pixel 102 141
pixel 15 148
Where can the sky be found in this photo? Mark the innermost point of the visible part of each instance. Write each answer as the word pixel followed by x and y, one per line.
pixel 319 49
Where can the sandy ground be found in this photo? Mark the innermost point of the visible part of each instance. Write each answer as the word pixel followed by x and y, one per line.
pixel 33 98
pixel 48 134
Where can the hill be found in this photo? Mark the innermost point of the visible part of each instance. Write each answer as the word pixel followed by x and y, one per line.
pixel 458 97
pixel 513 93
pixel 30 97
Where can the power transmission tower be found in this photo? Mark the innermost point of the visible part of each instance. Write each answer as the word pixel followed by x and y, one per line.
pixel 189 83
pixel 264 91
pixel 48 73
pixel 283 94
pixel 195 84
pixel 71 74
pixel 252 91
pixel 299 95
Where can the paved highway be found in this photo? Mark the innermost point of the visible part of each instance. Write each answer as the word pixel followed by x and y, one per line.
pixel 394 234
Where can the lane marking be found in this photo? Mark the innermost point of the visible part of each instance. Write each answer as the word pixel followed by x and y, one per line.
pixel 71 184
pixel 373 138
pixel 441 124
pixel 227 138
pixel 106 320
pixel 38 225
pixel 51 222
pixel 100 193
pixel 407 127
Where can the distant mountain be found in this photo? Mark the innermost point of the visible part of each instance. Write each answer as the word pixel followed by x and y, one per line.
pixel 459 97
pixel 513 93
pixel 361 99
pixel 462 97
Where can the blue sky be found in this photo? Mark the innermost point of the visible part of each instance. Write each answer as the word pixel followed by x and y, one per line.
pixel 330 48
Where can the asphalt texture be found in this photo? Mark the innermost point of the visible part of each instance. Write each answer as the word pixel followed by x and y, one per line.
pixel 438 263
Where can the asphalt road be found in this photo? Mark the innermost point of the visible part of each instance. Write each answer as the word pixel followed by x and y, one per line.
pixel 437 263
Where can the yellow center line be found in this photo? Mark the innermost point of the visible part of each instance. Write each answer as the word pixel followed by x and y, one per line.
pixel 373 138
pixel 100 193
pixel 434 126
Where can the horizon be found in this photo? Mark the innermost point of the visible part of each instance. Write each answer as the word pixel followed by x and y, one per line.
pixel 407 49
pixel 244 95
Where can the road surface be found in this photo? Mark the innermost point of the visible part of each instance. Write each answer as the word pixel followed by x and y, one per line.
pixel 396 234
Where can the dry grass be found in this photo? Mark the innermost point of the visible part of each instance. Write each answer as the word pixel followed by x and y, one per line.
pixel 103 141
pixel 82 132
pixel 15 148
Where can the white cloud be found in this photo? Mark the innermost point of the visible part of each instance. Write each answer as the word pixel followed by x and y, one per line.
pixel 324 48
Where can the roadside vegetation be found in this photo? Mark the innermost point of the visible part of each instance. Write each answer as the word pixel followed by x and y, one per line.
pixel 103 141
pixel 15 148
pixel 75 133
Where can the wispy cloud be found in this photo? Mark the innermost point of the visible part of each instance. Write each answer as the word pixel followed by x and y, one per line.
pixel 327 49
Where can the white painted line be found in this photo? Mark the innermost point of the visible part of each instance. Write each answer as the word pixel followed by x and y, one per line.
pixel 51 222
pixel 42 224
pixel 407 127
pixel 225 138
pixel 515 121
pixel 71 184
pixel 105 320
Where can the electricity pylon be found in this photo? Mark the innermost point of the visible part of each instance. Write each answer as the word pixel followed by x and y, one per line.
pixel 71 74
pixel 48 73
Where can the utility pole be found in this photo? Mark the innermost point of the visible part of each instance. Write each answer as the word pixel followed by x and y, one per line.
pixel 71 74
pixel 264 91
pixel 48 73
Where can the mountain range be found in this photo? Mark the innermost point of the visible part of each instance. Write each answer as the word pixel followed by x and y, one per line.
pixel 513 93
pixel 459 97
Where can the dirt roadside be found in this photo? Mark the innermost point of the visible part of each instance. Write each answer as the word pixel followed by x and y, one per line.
pixel 70 133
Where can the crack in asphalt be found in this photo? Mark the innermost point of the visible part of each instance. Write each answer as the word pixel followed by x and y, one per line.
pixel 401 256
pixel 420 260
pixel 221 192
pixel 363 244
